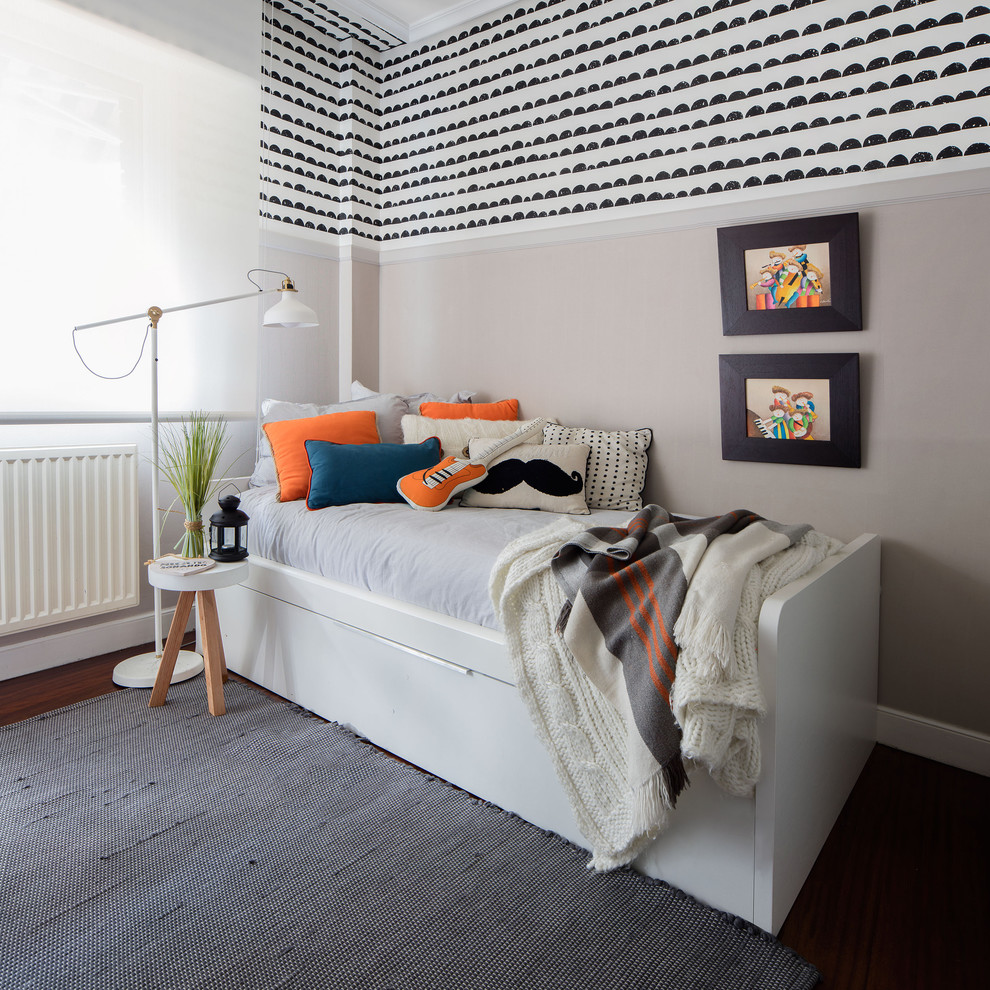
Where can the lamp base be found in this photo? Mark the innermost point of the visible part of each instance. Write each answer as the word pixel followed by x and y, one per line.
pixel 140 671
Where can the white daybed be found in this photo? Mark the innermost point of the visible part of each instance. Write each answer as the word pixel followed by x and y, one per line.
pixel 438 691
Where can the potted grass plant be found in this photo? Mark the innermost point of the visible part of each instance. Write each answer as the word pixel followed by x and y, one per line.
pixel 188 456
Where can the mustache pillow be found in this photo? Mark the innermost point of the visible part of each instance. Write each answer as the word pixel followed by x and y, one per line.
pixel 538 473
pixel 550 477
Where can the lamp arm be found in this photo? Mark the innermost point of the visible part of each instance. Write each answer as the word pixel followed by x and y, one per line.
pixel 154 313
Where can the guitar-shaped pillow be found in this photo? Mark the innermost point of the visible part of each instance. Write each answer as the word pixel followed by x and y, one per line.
pixel 433 488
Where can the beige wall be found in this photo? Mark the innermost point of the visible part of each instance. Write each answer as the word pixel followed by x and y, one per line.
pixel 625 333
pixel 364 364
pixel 301 365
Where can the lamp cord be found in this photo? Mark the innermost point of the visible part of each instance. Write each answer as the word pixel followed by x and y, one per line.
pixel 271 271
pixel 111 378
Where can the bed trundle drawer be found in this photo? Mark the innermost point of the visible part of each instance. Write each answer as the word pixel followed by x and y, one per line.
pixel 437 713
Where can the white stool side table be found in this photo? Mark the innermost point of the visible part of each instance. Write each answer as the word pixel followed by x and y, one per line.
pixel 200 586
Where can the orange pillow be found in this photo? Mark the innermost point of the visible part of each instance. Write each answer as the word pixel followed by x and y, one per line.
pixel 288 439
pixel 505 409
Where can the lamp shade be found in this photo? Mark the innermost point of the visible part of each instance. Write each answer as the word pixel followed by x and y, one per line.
pixel 289 311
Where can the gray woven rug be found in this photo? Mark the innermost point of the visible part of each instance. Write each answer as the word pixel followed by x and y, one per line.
pixel 167 848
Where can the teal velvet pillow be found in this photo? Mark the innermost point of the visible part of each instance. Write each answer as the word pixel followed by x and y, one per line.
pixel 364 472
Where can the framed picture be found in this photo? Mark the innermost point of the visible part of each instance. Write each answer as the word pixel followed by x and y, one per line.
pixel 791 276
pixel 790 408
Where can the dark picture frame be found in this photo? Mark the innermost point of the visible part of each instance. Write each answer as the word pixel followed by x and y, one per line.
pixel 837 382
pixel 841 278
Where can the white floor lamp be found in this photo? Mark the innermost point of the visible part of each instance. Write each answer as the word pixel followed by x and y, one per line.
pixel 288 312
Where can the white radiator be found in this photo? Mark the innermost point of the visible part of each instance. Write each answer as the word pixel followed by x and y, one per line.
pixel 69 536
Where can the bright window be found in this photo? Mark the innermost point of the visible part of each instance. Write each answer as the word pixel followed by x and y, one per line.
pixel 130 179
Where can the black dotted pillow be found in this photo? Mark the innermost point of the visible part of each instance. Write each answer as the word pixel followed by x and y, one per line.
pixel 616 464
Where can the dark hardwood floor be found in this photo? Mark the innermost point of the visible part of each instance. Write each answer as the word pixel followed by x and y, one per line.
pixel 899 898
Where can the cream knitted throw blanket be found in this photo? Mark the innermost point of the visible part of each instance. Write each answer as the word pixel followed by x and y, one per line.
pixel 716 704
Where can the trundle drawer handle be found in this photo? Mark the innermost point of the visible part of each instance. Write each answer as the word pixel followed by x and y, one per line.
pixel 450 665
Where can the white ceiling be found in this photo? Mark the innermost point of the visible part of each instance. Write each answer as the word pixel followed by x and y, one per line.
pixel 414 19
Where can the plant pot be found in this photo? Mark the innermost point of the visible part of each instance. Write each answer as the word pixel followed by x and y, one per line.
pixel 193 540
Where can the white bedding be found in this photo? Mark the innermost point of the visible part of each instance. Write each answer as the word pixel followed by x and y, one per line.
pixel 442 563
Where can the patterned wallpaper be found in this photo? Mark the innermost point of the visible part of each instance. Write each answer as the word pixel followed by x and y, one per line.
pixel 609 106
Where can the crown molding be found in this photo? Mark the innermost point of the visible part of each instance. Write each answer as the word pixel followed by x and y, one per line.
pixel 366 10
pixel 452 16
pixel 301 240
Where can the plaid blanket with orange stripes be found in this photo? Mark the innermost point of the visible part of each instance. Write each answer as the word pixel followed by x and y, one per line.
pixel 636 594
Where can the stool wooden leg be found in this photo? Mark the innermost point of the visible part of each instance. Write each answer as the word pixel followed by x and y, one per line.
pixel 220 655
pixel 216 665
pixel 176 632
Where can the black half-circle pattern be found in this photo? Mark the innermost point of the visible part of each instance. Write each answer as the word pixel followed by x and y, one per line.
pixel 365 136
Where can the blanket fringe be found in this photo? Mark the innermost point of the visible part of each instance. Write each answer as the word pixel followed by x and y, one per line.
pixel 650 811
pixel 675 778
pixel 651 807
pixel 695 631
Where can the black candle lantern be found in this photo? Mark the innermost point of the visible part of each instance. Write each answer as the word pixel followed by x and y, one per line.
pixel 228 531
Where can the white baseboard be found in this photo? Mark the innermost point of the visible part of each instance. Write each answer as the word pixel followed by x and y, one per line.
pixel 58 648
pixel 934 740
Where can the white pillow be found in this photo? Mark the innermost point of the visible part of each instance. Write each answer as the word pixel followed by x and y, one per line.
pixel 532 476
pixel 616 465
pixel 359 391
pixel 388 410
pixel 455 434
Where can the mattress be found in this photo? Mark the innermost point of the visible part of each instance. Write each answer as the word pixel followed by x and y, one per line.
pixel 438 560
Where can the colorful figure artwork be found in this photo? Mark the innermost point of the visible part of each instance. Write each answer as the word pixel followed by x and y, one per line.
pixel 804 415
pixel 789 279
pixel 792 415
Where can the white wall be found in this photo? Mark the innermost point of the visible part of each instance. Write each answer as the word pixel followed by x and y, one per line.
pixel 223 31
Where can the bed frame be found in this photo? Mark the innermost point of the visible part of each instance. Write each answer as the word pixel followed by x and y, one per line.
pixel 439 693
